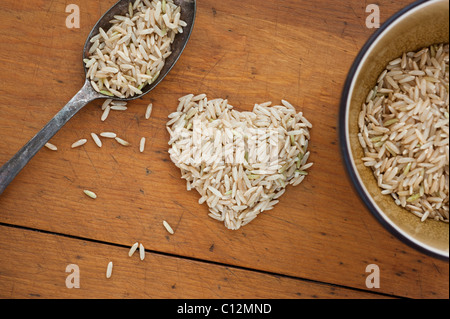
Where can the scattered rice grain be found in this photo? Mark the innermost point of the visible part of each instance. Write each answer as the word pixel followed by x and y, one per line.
pixel 108 134
pixel 90 194
pixel 50 146
pixel 79 143
pixel 142 145
pixel 148 112
pixel 141 252
pixel 105 113
pixel 96 139
pixel 109 269
pixel 121 141
pixel 133 249
pixel 168 228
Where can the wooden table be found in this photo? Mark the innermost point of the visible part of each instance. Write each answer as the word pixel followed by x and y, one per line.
pixel 316 243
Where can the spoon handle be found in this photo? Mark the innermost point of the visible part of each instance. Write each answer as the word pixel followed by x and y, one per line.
pixel 10 170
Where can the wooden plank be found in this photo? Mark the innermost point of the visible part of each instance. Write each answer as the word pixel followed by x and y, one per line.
pixel 41 265
pixel 246 52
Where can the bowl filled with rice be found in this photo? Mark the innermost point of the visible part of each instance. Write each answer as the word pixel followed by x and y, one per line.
pixel 394 126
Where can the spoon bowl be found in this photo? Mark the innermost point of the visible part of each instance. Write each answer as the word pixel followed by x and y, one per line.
pixel 188 11
pixel 87 93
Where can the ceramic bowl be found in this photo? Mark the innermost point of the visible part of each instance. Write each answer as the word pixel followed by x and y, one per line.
pixel 419 25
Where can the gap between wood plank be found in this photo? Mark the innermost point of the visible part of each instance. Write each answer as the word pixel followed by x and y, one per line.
pixel 202 261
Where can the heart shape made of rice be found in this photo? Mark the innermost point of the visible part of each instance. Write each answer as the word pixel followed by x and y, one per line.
pixel 239 162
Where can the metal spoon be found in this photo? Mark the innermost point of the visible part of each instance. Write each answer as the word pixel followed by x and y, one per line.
pixel 87 94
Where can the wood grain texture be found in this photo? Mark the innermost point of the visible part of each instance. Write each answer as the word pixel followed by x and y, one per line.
pixel 37 268
pixel 248 52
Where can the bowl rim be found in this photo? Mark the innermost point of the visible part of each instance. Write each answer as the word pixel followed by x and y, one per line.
pixel 345 145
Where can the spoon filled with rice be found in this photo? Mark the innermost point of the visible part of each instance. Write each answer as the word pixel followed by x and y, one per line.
pixel 129 51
